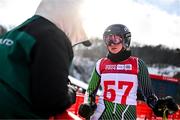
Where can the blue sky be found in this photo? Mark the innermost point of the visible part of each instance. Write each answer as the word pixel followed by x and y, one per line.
pixel 151 22
pixel 170 6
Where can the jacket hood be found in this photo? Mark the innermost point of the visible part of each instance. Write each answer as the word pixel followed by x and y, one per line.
pixel 65 14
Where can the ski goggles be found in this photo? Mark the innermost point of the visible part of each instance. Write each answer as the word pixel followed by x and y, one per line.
pixel 113 39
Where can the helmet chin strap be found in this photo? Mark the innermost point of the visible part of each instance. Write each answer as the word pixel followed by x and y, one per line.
pixel 123 49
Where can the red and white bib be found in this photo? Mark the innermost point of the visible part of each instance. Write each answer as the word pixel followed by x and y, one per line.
pixel 119 80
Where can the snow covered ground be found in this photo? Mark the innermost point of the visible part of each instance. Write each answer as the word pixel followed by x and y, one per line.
pixel 169 71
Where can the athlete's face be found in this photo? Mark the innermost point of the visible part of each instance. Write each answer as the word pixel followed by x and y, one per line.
pixel 114 43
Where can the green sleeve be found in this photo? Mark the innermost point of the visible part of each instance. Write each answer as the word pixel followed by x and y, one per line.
pixel 144 80
pixel 93 86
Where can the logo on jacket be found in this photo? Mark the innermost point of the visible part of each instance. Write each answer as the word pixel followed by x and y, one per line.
pixel 6 42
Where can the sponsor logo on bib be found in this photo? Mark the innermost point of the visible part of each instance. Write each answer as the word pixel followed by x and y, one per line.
pixel 119 67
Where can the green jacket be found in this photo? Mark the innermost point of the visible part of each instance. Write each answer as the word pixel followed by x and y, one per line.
pixel 34 67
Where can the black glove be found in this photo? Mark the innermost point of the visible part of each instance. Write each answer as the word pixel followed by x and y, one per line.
pixel 86 109
pixel 152 100
pixel 72 94
pixel 166 104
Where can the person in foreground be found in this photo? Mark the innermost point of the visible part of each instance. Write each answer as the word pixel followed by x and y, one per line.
pixel 120 75
pixel 34 61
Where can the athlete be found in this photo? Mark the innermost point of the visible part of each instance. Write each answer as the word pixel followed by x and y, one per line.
pixel 34 62
pixel 120 75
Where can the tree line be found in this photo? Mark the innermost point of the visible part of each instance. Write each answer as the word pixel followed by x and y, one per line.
pixel 157 55
pixel 150 54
